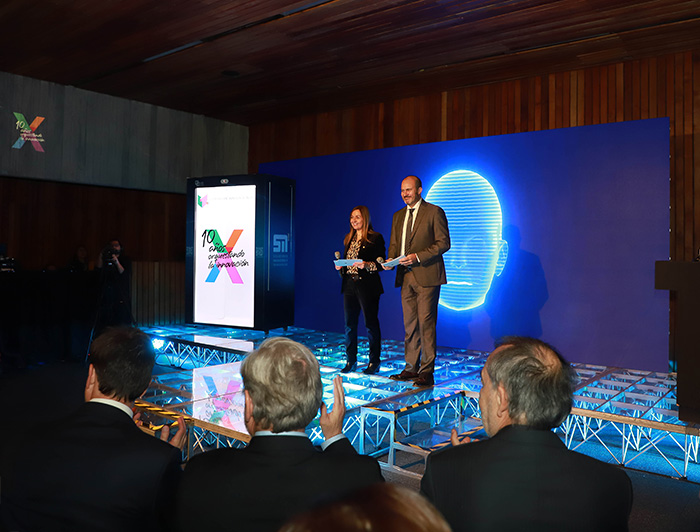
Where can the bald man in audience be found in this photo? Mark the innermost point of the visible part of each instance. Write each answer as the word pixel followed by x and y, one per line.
pixel 523 477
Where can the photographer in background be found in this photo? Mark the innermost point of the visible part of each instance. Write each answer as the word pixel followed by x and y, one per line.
pixel 114 307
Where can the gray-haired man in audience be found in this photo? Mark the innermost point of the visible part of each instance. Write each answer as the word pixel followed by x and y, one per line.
pixel 523 477
pixel 280 473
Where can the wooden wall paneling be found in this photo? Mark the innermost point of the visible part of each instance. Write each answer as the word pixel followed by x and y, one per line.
pixel 148 293
pixel 146 316
pixel 495 92
pixel 669 91
pixel 135 286
pixel 556 113
pixel 588 98
pixel 158 293
pixel 159 273
pixel 595 96
pixel 346 120
pixel 378 111
pixel 573 98
pixel 380 140
pixel 677 140
pixel 517 106
pixel 405 122
pixel 170 294
pixel 430 112
pixel 581 97
pixel 538 104
pixel 179 289
pixel 167 293
pixel 307 137
pixel 456 114
pixel 635 89
pixel 476 110
pixel 498 107
pixel 687 136
pixel 327 134
pixel 507 108
pixel 612 93
pixel 364 130
pixel 650 87
pixel 387 123
pixel 653 89
pixel 262 144
pixel 507 112
pixel 603 91
pixel 44 222
pixel 551 101
pixel 151 288
pixel 486 130
pixel 644 89
pixel 143 306
pixel 696 149
pixel 445 100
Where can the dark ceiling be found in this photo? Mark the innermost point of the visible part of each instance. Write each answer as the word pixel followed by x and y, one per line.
pixel 250 61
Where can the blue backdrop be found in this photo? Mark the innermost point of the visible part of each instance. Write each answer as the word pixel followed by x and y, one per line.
pixel 585 213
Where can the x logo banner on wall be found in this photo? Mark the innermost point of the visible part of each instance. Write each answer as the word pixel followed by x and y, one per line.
pixel 27 132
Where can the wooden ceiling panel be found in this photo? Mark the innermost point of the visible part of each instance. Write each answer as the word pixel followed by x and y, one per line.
pixel 292 57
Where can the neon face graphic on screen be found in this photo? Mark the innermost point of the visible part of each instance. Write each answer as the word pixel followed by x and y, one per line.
pixel 478 252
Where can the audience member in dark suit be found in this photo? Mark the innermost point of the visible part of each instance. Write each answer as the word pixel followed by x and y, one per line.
pixel 96 470
pixel 362 288
pixel 524 477
pixel 280 473
pixel 419 233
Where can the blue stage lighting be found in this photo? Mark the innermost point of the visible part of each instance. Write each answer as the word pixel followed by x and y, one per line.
pixel 478 252
pixel 158 344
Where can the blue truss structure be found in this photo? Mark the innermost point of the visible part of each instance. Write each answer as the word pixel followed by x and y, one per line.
pixel 622 416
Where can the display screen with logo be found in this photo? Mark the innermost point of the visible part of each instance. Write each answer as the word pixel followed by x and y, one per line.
pixel 224 255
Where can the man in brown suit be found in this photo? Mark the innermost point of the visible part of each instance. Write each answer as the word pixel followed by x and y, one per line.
pixel 419 233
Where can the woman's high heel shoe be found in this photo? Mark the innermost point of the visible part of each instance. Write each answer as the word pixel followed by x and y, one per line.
pixel 350 366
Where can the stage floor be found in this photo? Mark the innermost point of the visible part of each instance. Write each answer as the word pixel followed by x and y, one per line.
pixel 622 416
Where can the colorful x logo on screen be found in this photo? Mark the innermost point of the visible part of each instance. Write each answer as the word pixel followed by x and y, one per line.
pixel 27 132
pixel 224 259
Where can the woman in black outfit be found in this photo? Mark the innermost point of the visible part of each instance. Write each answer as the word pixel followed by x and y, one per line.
pixel 362 287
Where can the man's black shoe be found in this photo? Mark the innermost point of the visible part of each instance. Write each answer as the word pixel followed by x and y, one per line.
pixel 424 379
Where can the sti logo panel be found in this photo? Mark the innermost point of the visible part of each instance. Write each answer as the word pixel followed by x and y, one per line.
pixel 478 251
pixel 280 243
